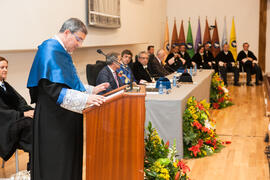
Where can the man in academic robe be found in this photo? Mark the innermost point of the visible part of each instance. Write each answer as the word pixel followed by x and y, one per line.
pixel 249 61
pixel 155 64
pixel 141 70
pixel 226 64
pixel 109 73
pixel 210 57
pixel 125 72
pixel 174 60
pixel 201 60
pixel 60 98
pixel 184 57
pixel 16 118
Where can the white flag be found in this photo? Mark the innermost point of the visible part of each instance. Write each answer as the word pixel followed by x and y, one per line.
pixel 224 37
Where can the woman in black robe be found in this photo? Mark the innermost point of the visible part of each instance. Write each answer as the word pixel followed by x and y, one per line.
pixel 201 59
pixel 16 118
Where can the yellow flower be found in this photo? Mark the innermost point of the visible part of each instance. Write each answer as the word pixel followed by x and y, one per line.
pixel 175 164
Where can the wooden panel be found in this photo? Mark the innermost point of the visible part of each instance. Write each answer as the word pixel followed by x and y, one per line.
pixel 115 139
pixel 262 33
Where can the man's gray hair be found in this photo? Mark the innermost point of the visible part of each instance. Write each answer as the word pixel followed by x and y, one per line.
pixel 160 51
pixel 142 52
pixel 111 57
pixel 74 25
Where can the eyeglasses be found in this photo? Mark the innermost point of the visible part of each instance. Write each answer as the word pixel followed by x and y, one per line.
pixel 80 40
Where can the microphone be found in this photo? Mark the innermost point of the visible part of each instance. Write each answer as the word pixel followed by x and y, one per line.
pixel 99 51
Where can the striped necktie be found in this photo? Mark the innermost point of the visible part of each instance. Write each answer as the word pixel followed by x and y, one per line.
pixel 115 78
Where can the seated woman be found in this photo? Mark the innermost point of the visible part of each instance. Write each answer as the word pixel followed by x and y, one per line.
pixel 201 59
pixel 16 118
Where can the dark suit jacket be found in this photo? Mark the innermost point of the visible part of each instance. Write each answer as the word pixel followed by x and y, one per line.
pixel 141 73
pixel 106 75
pixel 176 65
pixel 225 58
pixel 156 68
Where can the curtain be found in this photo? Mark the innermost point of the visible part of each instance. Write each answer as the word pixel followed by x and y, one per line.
pixel 104 13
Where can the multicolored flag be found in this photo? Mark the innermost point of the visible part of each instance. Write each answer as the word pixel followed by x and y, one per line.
pixel 206 36
pixel 233 44
pixel 198 41
pixel 215 41
pixel 224 37
pixel 174 34
pixel 181 39
pixel 189 42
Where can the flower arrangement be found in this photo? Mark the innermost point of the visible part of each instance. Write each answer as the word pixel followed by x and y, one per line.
pixel 200 138
pixel 160 162
pixel 219 94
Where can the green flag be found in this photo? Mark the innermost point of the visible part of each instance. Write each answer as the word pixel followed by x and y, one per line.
pixel 190 49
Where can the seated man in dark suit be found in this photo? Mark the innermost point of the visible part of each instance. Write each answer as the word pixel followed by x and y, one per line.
pixel 155 64
pixel 226 64
pixel 141 70
pixel 201 59
pixel 16 118
pixel 109 73
pixel 249 61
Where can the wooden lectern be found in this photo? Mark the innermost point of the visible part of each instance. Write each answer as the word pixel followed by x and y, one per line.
pixel 114 137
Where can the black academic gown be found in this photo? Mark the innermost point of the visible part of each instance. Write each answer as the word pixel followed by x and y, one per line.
pixel 140 73
pixel 58 136
pixel 201 61
pixel 12 108
pixel 176 65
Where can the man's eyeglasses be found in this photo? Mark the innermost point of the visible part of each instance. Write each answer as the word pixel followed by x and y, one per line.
pixel 78 38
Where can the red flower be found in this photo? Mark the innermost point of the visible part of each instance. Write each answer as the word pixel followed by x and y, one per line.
pixel 220 100
pixel 205 129
pixel 215 105
pixel 208 142
pixel 220 92
pixel 167 144
pixel 200 142
pixel 197 124
pixel 228 142
pixel 195 149
pixel 200 106
pixel 219 88
pixel 183 166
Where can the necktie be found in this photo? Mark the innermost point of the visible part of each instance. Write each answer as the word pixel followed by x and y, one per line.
pixel 115 78
pixel 3 86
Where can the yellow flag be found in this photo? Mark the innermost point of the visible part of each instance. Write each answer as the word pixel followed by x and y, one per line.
pixel 166 44
pixel 233 44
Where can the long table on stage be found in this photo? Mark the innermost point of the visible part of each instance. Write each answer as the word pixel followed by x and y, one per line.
pixel 165 111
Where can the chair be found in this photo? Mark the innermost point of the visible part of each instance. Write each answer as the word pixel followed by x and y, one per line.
pixel 92 71
pixel 16 161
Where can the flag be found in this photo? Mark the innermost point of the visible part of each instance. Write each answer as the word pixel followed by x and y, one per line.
pixel 181 39
pixel 206 36
pixel 198 41
pixel 215 41
pixel 174 35
pixel 233 44
pixel 189 43
pixel 166 44
pixel 224 37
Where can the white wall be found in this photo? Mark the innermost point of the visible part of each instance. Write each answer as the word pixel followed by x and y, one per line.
pixel 146 18
pixel 246 13
pixel 31 21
